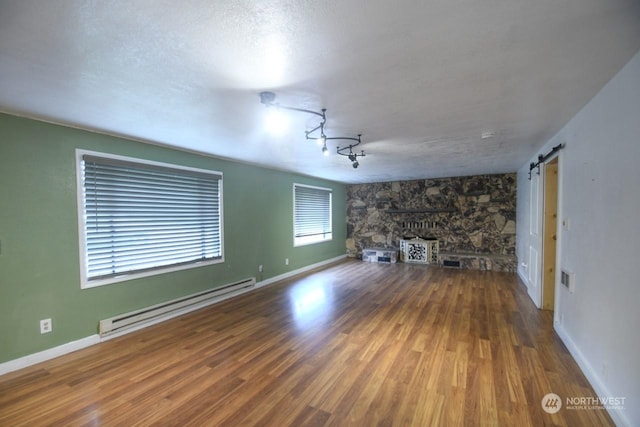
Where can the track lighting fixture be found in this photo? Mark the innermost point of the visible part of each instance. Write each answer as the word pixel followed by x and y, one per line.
pixel 317 133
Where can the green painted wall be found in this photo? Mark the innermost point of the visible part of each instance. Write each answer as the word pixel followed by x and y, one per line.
pixel 39 264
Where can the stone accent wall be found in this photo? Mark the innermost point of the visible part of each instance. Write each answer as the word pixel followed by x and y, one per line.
pixel 472 217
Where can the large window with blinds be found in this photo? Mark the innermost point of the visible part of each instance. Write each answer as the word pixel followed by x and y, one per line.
pixel 311 214
pixel 139 218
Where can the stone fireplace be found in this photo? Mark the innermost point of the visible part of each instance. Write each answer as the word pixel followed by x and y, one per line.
pixel 472 218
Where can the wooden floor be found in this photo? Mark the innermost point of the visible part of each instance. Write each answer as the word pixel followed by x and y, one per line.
pixel 355 344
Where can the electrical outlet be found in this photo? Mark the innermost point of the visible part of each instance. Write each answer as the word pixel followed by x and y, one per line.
pixel 46 326
pixel 286 261
pixel 260 268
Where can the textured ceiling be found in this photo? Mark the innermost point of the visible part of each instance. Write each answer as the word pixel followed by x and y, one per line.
pixel 422 81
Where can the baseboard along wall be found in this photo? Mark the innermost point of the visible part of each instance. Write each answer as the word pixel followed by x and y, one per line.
pixel 70 347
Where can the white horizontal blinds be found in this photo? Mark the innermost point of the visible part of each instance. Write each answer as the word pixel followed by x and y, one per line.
pixel 312 212
pixel 140 217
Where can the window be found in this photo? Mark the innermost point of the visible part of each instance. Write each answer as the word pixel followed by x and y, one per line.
pixel 139 218
pixel 311 214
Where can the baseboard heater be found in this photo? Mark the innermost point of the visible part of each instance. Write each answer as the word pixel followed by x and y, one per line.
pixel 167 310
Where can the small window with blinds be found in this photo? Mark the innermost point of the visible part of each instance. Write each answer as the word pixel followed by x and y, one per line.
pixel 311 214
pixel 139 218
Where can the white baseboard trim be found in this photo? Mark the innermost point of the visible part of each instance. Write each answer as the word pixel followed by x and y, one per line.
pixel 601 390
pixel 292 273
pixel 48 354
pixel 61 350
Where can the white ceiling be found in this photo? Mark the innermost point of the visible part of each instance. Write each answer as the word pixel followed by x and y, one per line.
pixel 421 80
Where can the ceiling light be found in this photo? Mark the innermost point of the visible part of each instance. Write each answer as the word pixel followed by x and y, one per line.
pixel 351 155
pixel 276 122
pixel 269 100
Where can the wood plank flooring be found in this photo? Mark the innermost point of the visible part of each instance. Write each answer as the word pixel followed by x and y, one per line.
pixel 354 344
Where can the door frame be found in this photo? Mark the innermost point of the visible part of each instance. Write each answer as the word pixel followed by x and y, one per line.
pixel 550 237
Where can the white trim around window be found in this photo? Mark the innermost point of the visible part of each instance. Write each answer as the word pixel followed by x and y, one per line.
pixel 138 218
